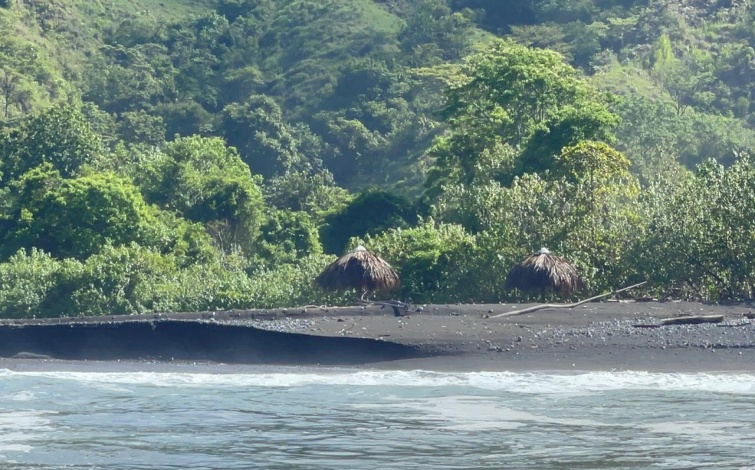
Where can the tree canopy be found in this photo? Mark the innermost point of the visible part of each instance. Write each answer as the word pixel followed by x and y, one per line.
pixel 185 155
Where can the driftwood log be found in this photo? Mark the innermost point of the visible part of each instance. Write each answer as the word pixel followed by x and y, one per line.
pixel 692 320
pixel 535 308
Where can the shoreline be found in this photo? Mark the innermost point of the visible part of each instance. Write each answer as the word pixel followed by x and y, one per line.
pixel 604 336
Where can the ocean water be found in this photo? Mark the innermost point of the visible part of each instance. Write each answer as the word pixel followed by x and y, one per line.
pixel 222 417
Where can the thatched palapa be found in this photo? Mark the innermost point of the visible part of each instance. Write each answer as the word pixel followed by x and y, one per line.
pixel 360 270
pixel 544 270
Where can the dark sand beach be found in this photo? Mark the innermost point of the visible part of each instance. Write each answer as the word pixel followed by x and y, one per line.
pixel 595 336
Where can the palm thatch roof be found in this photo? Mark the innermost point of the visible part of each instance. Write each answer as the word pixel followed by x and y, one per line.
pixel 544 270
pixel 361 270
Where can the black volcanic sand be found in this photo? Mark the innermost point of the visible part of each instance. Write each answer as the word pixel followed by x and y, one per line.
pixel 594 336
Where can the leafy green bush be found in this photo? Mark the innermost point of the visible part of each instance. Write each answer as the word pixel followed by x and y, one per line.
pixel 699 239
pixel 33 283
pixel 430 260
pixel 76 217
pixel 132 279
pixel 287 237
pixel 120 280
pixel 290 285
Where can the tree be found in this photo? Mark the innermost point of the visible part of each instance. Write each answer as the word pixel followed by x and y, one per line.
pixel 657 139
pixel 371 212
pixel 205 181
pixel 33 283
pixel 185 119
pixel 120 280
pixel 10 90
pixel 240 83
pixel 602 195
pixel 60 135
pixel 257 129
pixel 510 89
pixel 568 126
pixel 432 23
pixel 359 149
pixel 498 15
pixel 124 78
pixel 314 193
pixel 512 93
pixel 651 135
pixel 686 79
pixel 233 9
pixel 140 127
pixel 593 164
pixel 77 217
pixel 472 205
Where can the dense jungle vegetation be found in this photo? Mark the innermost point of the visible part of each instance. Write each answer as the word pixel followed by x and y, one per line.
pixel 184 155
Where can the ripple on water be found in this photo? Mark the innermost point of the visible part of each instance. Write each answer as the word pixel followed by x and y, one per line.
pixel 339 419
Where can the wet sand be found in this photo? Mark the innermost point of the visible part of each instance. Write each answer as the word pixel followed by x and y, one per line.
pixel 595 336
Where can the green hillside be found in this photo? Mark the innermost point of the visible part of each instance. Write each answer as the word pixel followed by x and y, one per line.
pixel 186 154
pixel 354 73
pixel 44 46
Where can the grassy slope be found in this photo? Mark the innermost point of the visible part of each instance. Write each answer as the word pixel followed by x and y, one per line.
pixel 321 38
pixel 54 38
pixel 169 8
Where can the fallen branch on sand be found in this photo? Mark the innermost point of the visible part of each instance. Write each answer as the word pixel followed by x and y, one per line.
pixel 692 320
pixel 394 304
pixel 684 320
pixel 576 304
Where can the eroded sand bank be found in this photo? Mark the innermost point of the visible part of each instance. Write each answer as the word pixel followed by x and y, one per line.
pixel 595 336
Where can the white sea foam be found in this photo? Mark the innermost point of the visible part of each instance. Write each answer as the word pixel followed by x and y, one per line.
pixel 723 433
pixel 474 413
pixel 525 383
pixel 18 396
pixel 18 426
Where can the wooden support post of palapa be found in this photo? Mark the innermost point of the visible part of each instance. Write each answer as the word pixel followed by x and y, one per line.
pixel 692 319
pixel 535 308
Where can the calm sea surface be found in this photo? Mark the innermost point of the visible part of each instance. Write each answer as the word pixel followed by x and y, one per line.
pixel 222 417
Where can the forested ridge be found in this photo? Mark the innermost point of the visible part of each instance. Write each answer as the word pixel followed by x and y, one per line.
pixel 184 155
